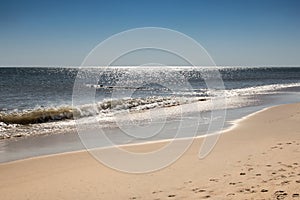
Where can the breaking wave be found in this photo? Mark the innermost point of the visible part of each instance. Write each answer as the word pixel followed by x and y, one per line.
pixel 107 107
pixel 114 106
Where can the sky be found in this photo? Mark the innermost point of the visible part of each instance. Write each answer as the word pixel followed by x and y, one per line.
pixel 234 32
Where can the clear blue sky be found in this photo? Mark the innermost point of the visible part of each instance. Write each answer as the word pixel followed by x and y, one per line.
pixel 234 32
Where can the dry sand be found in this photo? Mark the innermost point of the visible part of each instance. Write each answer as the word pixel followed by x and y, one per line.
pixel 258 159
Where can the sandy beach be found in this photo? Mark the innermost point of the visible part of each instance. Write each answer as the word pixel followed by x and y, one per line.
pixel 257 159
pixel 150 100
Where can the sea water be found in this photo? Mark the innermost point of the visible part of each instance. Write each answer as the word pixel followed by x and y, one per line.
pixel 40 101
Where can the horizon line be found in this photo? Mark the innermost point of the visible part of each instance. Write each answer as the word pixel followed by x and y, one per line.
pixel 94 66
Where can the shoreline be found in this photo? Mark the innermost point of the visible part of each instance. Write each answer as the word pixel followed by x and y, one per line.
pixel 231 125
pixel 257 159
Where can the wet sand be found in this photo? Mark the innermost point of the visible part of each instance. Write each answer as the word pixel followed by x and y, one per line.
pixel 257 159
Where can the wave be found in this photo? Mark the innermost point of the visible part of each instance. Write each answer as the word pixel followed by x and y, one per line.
pixel 107 107
pixel 37 116
pixel 258 90
pixel 110 107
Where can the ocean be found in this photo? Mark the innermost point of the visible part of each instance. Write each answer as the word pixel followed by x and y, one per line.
pixel 38 102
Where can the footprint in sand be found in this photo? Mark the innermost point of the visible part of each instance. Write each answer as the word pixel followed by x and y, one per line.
pixel 196 190
pixel 264 190
pixel 248 190
pixel 230 194
pixel 241 190
pixel 285 182
pixel 186 182
pixel 250 169
pixel 280 194
pixel 154 192
pixel 171 195
pixel 292 174
pixel 295 195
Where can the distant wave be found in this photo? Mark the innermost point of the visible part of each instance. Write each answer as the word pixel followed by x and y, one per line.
pixel 256 90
